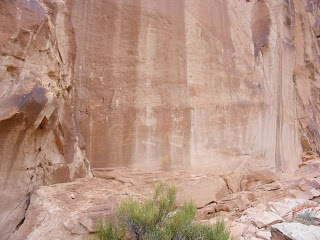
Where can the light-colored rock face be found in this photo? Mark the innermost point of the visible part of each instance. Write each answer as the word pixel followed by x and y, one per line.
pixel 203 85
pixel 209 86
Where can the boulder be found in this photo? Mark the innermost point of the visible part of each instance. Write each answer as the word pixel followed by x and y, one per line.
pixel 239 201
pixel 294 231
pixel 259 216
pixel 206 212
pixel 265 219
pixel 256 179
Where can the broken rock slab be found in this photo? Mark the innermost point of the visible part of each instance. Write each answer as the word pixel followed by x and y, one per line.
pixel 238 229
pixel 284 208
pixel 263 234
pixel 260 217
pixel 233 201
pixel 265 219
pixel 294 231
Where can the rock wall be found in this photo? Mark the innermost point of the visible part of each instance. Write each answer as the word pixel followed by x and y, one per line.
pixel 39 141
pixel 191 84
pixel 210 86
pixel 306 73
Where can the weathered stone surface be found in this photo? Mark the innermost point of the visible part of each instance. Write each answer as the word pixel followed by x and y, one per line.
pixel 306 156
pixel 265 218
pixel 70 210
pixel 294 231
pixel 202 189
pixel 256 179
pixel 188 84
pixel 284 208
pixel 39 142
pixel 238 229
pixel 306 74
pixel 73 210
pixel 208 86
pixel 265 235
pixel 233 181
pixel 206 212
pixel 277 195
pixel 260 217
pixel 310 168
pixel 238 201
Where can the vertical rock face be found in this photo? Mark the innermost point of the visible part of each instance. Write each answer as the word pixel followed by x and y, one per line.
pixel 211 86
pixel 39 142
pixel 306 73
pixel 189 84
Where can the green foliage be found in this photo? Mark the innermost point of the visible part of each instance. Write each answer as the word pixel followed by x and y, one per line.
pixel 108 231
pixel 156 219
pixel 307 212
pixel 306 217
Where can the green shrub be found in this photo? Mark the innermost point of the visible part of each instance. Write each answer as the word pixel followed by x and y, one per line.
pixel 156 219
pixel 108 231
pixel 306 213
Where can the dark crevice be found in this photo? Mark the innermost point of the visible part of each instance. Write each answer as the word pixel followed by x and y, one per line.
pixel 19 224
pixel 229 189
pixel 207 204
pixel 22 220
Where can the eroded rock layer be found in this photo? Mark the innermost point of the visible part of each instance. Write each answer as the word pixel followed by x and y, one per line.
pixel 211 86
pixel 194 84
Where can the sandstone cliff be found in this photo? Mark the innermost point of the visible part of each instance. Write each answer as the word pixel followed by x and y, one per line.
pixel 39 140
pixel 211 86
pixel 189 84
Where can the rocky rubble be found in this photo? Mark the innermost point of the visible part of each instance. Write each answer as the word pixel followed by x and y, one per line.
pixel 269 208
pixel 73 210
